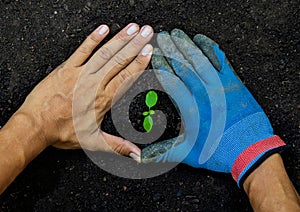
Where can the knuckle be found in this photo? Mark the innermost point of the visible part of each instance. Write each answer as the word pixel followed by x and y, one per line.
pixel 120 59
pixel 84 49
pixel 137 43
pixel 124 74
pixel 138 60
pixel 105 53
pixel 122 37
pixel 117 148
pixel 94 38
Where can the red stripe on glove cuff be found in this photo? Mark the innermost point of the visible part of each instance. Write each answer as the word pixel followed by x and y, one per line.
pixel 252 152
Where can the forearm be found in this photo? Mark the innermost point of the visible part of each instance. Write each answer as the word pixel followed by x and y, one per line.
pixel 21 140
pixel 269 188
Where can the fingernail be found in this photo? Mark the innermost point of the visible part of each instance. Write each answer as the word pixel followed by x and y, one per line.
pixel 103 29
pixel 147 50
pixel 135 157
pixel 146 31
pixel 132 29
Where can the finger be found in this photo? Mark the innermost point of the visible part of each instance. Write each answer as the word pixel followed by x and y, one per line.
pixel 194 55
pixel 125 56
pixel 108 50
pixel 153 152
pixel 159 62
pixel 208 46
pixel 87 47
pixel 176 154
pixel 166 76
pixel 178 63
pixel 213 52
pixel 129 74
pixel 122 146
pixel 171 52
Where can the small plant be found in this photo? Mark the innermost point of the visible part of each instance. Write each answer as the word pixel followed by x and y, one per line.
pixel 151 100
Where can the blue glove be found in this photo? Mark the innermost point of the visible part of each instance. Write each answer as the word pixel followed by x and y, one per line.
pixel 226 130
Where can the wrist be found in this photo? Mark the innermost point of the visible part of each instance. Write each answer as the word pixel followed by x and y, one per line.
pixel 21 140
pixel 255 154
pixel 25 134
pixel 269 188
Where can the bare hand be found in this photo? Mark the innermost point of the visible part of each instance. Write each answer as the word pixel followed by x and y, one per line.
pixel 70 103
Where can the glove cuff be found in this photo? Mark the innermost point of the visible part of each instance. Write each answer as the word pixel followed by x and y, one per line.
pixel 253 156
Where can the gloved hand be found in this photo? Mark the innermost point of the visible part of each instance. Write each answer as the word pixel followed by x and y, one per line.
pixel 233 134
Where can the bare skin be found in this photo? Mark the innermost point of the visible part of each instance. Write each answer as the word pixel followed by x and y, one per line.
pixel 48 117
pixel 269 188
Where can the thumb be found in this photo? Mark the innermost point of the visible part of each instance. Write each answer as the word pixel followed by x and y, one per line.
pixel 176 154
pixel 121 146
pixel 164 151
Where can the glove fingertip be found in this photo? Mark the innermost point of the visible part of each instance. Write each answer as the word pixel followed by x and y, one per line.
pixel 176 32
pixel 181 37
pixel 163 32
pixel 208 47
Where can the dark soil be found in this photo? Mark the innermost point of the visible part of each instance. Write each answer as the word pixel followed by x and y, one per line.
pixel 261 39
pixel 137 106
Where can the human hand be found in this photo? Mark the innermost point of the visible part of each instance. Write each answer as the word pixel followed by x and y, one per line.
pixel 233 133
pixel 68 106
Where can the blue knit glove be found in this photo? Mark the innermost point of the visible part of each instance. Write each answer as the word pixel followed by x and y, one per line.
pixel 226 130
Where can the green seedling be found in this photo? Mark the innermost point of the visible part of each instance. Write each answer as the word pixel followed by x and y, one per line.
pixel 151 100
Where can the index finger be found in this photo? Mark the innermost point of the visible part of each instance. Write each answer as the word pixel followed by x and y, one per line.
pixel 88 46
pixel 182 67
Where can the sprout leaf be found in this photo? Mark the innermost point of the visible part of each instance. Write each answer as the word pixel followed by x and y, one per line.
pixel 146 113
pixel 151 112
pixel 148 123
pixel 151 99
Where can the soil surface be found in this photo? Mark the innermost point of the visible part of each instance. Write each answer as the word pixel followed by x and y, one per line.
pixel 261 39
